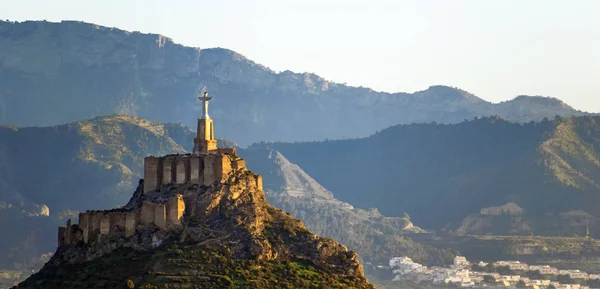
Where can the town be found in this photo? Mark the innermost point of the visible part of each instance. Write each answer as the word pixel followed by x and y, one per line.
pixel 500 274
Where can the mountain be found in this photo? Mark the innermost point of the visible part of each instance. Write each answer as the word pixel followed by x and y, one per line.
pixel 214 230
pixel 54 73
pixel 442 174
pixel 94 164
pixel 89 164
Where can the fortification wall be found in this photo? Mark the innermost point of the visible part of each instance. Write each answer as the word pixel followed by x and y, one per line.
pixel 196 169
pixel 181 169
pixel 203 169
pixel 84 226
pixel 160 216
pixel 117 220
pixel 175 210
pixel 61 236
pixel 152 167
pixel 130 224
pixel 209 171
pixel 104 225
pixel 168 170
pixel 93 225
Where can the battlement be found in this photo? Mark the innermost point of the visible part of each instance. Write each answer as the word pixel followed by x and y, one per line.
pixel 190 168
pixel 94 224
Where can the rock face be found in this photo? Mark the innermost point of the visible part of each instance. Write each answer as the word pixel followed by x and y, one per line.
pixel 227 237
pixel 53 73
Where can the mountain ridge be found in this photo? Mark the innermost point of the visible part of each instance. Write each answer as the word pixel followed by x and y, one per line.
pixel 75 71
pixel 440 174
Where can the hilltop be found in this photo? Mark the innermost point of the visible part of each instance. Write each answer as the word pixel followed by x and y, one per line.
pixel 73 71
pixel 225 235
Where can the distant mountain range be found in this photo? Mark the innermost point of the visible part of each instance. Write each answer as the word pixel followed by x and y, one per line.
pixel 444 174
pixel 54 73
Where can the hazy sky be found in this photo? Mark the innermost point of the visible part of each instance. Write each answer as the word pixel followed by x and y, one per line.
pixel 494 49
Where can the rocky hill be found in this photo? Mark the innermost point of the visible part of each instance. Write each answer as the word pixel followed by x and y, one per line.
pixel 54 73
pixel 442 174
pixel 222 235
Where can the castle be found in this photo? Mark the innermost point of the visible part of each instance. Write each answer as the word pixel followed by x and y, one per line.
pixel 207 165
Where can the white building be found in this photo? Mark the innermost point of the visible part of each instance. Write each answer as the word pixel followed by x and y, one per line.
pixel 512 265
pixel 575 274
pixel 462 262
pixel 405 265
pixel 544 269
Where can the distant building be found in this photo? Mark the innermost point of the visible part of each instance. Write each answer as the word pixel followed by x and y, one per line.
pixel 512 265
pixel 545 270
pixel 575 274
pixel 405 265
pixel 460 261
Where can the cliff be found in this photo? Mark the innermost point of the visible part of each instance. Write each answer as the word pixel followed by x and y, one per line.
pixel 54 73
pixel 227 237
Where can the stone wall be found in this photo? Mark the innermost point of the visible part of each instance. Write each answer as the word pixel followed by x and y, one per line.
pixel 175 210
pixel 93 225
pixel 204 169
pixel 152 173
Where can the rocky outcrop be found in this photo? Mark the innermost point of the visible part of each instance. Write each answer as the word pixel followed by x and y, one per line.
pixel 229 219
pixel 55 73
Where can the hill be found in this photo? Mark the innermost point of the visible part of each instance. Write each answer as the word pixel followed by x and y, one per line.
pixel 54 73
pixel 442 174
pixel 215 233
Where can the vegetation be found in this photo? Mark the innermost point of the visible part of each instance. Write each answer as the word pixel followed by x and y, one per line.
pixel 178 266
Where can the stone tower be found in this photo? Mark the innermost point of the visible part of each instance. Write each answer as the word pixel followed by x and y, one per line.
pixel 205 135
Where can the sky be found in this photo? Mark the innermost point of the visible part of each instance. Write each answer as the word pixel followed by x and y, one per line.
pixel 495 49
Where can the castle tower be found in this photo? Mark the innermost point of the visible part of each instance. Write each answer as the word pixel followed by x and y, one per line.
pixel 205 135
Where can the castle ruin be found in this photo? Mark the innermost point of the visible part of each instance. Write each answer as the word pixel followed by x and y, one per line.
pixel 207 165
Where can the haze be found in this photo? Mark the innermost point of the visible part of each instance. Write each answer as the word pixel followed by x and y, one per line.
pixel 494 49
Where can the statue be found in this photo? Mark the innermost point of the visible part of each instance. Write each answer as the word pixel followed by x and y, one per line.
pixel 205 99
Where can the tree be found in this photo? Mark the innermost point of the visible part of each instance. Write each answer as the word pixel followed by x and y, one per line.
pixel 564 279
pixel 534 274
pixel 489 279
pixel 477 268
